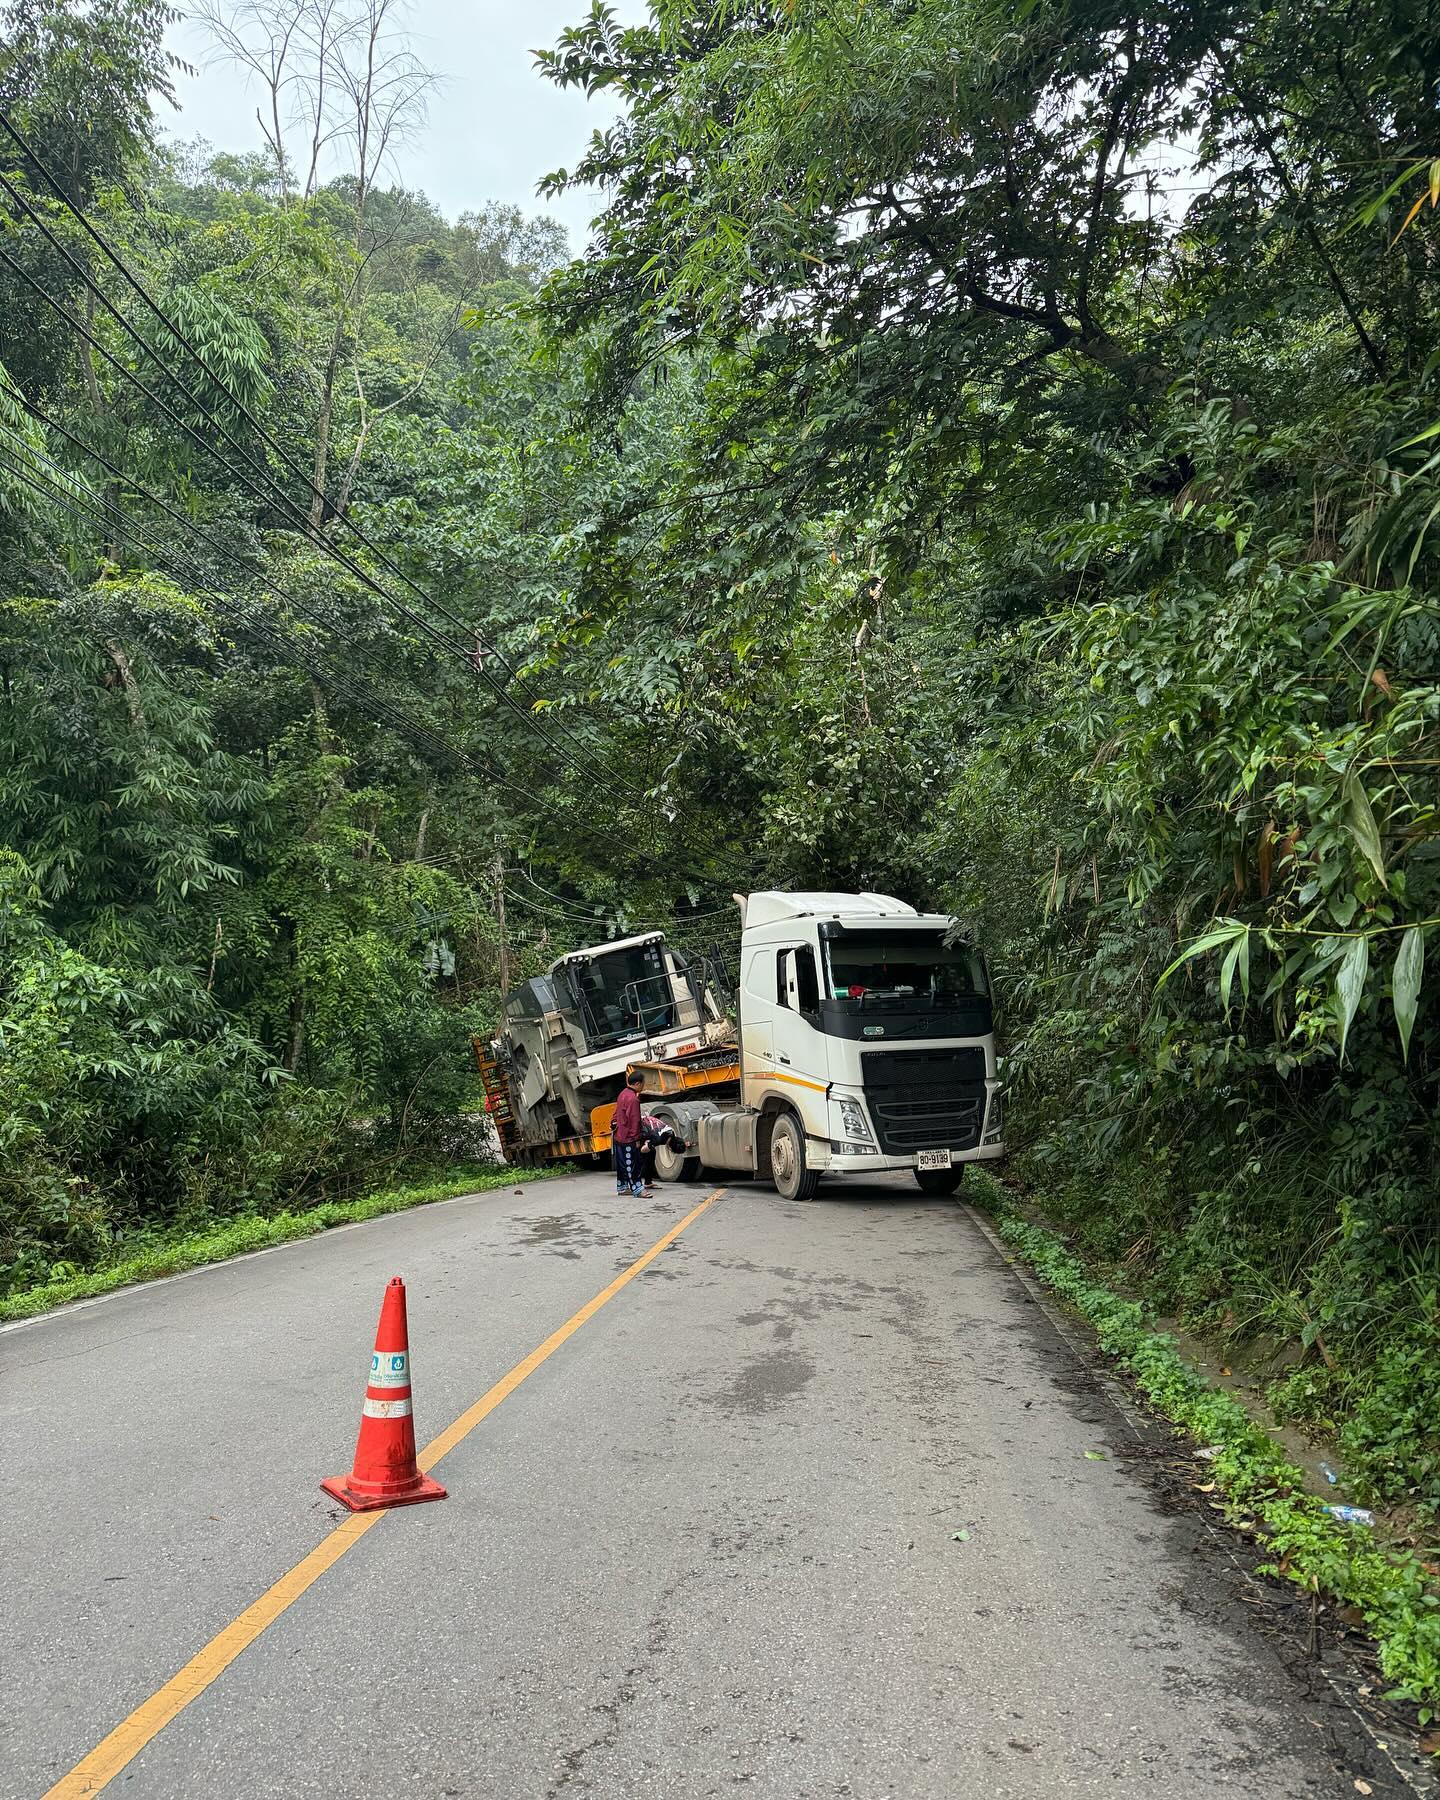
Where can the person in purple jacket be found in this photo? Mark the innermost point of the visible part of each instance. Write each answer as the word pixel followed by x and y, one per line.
pixel 625 1136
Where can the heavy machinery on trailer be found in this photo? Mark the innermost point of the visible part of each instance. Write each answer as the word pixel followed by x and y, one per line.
pixel 571 1035
pixel 864 1041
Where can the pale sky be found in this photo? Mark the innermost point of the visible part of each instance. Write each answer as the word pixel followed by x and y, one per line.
pixel 495 126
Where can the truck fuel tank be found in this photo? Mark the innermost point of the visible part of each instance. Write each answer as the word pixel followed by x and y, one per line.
pixel 725 1139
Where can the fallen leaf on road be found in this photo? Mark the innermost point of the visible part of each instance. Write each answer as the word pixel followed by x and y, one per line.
pixel 1224 1370
pixel 1363 1787
pixel 959 1537
pixel 1094 1456
pixel 1204 1487
pixel 1430 1744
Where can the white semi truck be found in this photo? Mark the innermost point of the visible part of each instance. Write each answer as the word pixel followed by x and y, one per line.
pixel 864 1041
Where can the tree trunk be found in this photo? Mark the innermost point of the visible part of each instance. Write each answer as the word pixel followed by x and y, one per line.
pixel 129 685
pixel 87 356
pixel 296 1044
pixel 321 466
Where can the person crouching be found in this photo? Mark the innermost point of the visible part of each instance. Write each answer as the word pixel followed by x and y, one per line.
pixel 653 1133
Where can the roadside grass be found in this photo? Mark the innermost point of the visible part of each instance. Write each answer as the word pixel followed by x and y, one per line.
pixel 173 1255
pixel 1263 1492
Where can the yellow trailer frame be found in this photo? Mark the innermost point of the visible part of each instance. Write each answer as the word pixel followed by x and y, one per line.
pixel 699 1073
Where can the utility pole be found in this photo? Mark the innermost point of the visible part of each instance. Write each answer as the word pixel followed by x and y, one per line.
pixel 497 870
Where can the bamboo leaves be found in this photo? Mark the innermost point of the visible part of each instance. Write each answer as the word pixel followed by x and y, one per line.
pixel 1237 959
pixel 1360 818
pixel 1310 963
pixel 1350 985
pixel 1223 935
pixel 1405 985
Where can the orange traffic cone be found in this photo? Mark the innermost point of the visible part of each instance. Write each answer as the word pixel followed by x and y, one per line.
pixel 385 1472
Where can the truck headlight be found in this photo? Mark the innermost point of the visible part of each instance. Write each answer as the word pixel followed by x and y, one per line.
pixel 995 1118
pixel 852 1117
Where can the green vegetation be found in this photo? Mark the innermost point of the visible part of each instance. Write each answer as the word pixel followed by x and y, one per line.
pixel 1400 1604
pixel 987 453
pixel 151 1255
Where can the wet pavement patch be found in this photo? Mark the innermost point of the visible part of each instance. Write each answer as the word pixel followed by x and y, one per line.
pixel 558 1234
pixel 765 1383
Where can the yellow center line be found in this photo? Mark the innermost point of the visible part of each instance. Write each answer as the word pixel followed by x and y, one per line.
pixel 132 1734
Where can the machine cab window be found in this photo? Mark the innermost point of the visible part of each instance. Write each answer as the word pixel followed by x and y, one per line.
pixel 626 993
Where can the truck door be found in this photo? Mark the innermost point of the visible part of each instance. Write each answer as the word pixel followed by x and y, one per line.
pixel 757 1012
pixel 799 1045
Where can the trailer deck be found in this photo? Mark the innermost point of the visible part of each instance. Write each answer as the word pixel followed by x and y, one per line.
pixel 706 1071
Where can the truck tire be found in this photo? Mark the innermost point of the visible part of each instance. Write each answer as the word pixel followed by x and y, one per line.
pixel 792 1179
pixel 940 1181
pixel 674 1165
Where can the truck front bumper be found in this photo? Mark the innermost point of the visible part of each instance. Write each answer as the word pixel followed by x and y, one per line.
pixel 821 1155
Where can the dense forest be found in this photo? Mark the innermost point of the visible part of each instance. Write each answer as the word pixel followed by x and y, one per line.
pixel 986 452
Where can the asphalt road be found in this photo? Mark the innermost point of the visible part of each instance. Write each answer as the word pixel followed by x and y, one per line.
pixel 708 1547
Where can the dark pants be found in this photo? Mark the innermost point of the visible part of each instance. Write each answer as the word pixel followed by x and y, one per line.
pixel 647 1161
pixel 627 1166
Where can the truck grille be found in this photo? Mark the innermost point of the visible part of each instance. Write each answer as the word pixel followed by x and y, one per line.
pixel 925 1099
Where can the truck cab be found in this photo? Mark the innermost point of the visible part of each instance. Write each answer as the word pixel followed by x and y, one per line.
pixel 866 1044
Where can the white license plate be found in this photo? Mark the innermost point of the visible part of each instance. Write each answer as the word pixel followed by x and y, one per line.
pixel 932 1159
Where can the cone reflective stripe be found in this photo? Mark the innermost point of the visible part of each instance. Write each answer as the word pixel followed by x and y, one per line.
pixel 385 1471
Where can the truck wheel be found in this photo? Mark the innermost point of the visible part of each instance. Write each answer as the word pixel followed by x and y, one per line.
pixel 940 1181
pixel 793 1181
pixel 674 1165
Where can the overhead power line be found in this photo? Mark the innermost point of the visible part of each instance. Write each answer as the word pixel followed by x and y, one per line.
pixel 103 513
pixel 718 912
pixel 270 492
pixel 174 330
pixel 459 649
pixel 110 517
pixel 192 529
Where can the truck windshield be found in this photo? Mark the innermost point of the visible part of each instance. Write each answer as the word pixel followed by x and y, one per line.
pixel 625 994
pixel 883 970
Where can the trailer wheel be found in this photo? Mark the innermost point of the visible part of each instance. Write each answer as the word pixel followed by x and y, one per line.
pixel 793 1181
pixel 674 1165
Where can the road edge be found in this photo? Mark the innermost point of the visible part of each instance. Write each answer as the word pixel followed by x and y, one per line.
pixel 309 1228
pixel 1420 1777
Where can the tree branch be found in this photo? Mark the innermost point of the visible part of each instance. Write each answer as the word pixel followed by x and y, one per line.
pixel 1097 193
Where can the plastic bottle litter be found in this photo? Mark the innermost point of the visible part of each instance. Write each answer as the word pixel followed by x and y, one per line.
pixel 1209 1453
pixel 1329 1474
pixel 1351 1515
